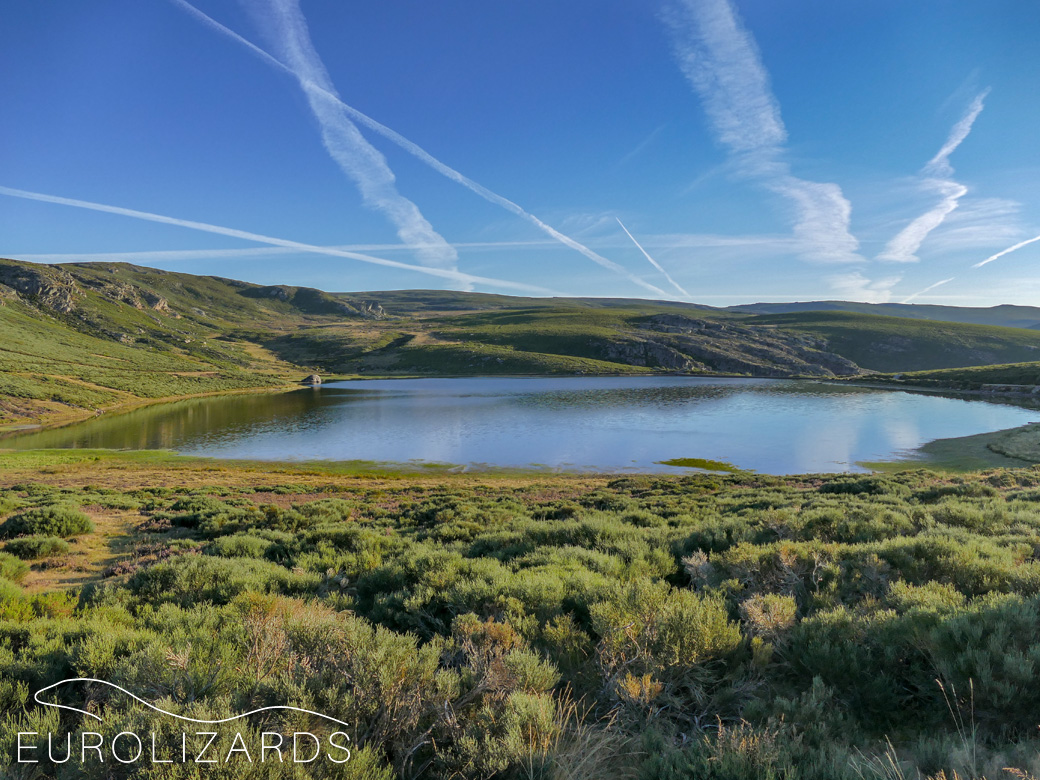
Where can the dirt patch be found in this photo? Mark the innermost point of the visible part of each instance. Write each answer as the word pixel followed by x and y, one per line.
pixel 286 500
pixel 91 555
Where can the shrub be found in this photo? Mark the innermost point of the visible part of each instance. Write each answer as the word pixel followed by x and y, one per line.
pixel 327 510
pixel 211 516
pixel 9 592
pixel 8 504
pixel 31 548
pixel 240 546
pixel 768 615
pixel 12 568
pixel 672 635
pixel 54 520
pixel 871 486
pixel 191 579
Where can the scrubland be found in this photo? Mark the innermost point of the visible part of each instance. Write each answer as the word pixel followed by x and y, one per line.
pixel 531 626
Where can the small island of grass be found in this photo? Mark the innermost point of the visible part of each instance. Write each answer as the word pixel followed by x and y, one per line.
pixel 700 463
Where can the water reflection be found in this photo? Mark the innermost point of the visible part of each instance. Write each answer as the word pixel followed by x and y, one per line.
pixel 597 423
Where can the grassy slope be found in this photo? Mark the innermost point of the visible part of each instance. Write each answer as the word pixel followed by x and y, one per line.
pixel 113 347
pixel 900 344
pixel 46 363
pixel 974 377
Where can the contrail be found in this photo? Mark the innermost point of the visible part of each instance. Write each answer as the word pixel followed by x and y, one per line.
pixel 987 261
pixel 443 273
pixel 421 154
pixel 174 255
pixel 653 262
pixel 927 289
pixel 1007 251
pixel 903 247
pixel 356 157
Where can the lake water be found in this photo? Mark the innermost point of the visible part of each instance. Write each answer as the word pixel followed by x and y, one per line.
pixel 579 423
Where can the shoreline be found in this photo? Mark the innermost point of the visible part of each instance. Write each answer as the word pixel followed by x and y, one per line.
pixel 73 417
pixel 1017 447
pixel 899 385
pixel 63 418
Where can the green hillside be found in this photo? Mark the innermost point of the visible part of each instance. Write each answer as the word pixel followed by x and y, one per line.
pixel 899 344
pixel 84 337
pixel 976 377
pixel 87 337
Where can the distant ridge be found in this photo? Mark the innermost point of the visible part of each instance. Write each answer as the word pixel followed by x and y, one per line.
pixel 1005 315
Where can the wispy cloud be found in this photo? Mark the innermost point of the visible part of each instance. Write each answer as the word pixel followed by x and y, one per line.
pixel 653 262
pixel 822 223
pixel 940 164
pixel 929 288
pixel 669 242
pixel 766 242
pixel 903 247
pixel 721 61
pixel 443 273
pixel 937 172
pixel 984 234
pixel 421 154
pixel 978 223
pixel 855 286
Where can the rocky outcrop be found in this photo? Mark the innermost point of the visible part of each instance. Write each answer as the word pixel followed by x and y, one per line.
pixel 312 301
pixel 47 286
pixel 651 354
pixel 132 295
pixel 373 309
pixel 278 292
pixel 685 343
pixel 156 302
pixel 313 379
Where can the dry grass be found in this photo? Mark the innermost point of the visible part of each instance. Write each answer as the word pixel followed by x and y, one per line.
pixel 111 542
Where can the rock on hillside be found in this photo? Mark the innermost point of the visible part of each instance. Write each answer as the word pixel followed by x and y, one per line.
pixel 689 343
pixel 47 286
pixel 312 301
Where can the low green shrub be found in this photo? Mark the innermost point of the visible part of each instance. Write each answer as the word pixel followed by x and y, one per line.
pixel 195 579
pixel 12 568
pixel 241 545
pixel 721 627
pixel 31 548
pixel 9 592
pixel 53 520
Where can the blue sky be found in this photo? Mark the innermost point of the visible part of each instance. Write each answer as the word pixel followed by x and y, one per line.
pixel 705 150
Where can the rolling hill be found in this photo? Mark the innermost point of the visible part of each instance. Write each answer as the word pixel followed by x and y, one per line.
pixel 890 344
pixel 1005 315
pixel 82 337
